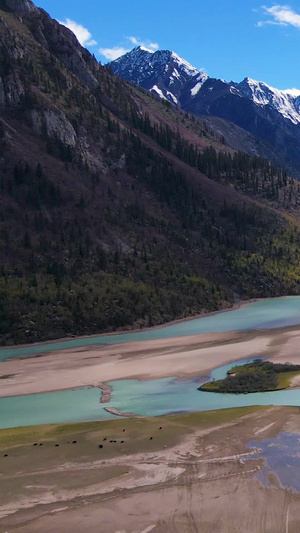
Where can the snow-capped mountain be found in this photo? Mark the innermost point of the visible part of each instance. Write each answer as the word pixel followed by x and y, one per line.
pixel 270 115
pixel 162 72
pixel 174 79
pixel 285 102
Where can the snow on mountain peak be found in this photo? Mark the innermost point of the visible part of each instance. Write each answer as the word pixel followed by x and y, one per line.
pixel 262 94
pixel 145 49
pixel 154 61
pixel 200 80
pixel 294 93
pixel 162 71
pixel 189 69
pixel 168 75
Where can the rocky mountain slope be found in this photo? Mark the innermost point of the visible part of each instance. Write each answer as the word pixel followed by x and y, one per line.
pixel 116 208
pixel 162 72
pixel 270 115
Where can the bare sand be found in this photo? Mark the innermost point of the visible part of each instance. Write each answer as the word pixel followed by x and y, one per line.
pixel 182 357
pixel 195 475
pixel 91 366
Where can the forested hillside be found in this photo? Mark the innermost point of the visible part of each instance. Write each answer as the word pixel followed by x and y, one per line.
pixel 116 209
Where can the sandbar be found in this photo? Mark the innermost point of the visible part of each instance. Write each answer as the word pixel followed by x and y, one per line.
pixel 182 357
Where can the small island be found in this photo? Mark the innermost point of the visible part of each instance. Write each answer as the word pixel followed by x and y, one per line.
pixel 257 376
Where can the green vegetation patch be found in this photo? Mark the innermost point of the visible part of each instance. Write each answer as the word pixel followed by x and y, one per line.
pixel 258 376
pixel 136 429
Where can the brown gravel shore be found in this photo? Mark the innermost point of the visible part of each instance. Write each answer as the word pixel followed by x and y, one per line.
pixel 105 393
pixel 115 412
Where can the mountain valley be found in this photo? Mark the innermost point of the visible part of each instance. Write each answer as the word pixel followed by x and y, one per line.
pixel 119 210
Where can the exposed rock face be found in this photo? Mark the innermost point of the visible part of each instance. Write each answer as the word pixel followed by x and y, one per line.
pixel 61 42
pixel 20 6
pixel 12 90
pixel 2 92
pixel 54 124
pixel 57 39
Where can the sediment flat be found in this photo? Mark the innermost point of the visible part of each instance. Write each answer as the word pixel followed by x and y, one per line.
pixel 149 474
pixel 181 356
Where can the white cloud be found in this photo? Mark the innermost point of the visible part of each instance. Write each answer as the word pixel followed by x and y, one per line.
pixel 145 44
pixel 117 51
pixel 270 23
pixel 113 53
pixel 83 35
pixel 281 16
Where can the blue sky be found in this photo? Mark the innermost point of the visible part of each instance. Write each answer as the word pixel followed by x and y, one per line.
pixel 229 39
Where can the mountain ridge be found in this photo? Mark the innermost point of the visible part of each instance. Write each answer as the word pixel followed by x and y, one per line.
pixel 260 92
pixel 151 69
pixel 117 209
pixel 269 114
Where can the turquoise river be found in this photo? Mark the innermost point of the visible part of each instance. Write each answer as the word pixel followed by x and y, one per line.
pixel 153 397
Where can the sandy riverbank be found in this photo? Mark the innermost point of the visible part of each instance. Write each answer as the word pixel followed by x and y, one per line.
pixel 182 357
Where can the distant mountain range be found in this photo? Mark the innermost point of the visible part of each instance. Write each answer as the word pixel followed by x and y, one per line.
pixel 271 115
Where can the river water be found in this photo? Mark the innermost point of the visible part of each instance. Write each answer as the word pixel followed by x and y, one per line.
pixel 153 397
pixel 264 314
pixel 281 454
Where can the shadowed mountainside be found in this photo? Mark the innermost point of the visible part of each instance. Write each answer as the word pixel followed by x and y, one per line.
pixel 116 209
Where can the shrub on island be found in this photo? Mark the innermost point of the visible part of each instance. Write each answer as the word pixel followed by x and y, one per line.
pixel 258 376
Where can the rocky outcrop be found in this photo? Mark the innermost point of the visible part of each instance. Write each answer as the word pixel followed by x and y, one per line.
pixel 2 92
pixel 62 42
pixel 53 124
pixel 57 39
pixel 20 6
pixel 11 90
